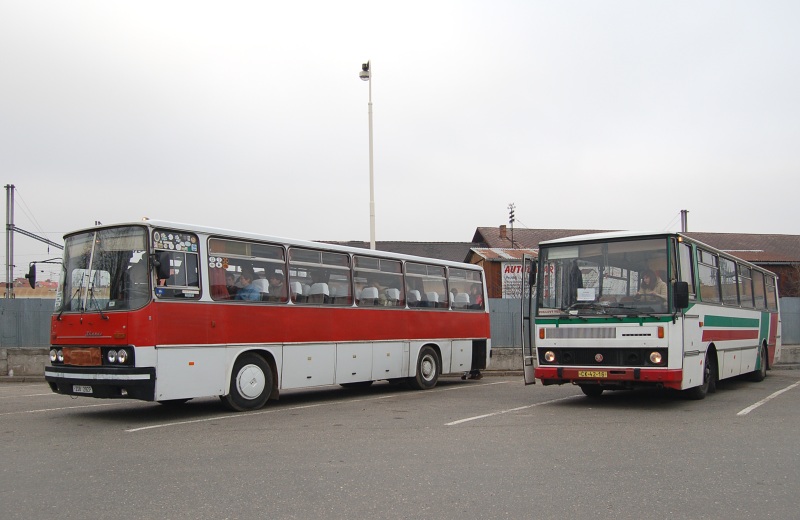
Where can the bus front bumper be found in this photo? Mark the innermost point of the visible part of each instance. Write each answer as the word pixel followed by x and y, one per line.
pixel 610 377
pixel 112 383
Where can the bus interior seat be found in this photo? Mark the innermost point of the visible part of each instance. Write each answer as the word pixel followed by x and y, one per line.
pixel 319 293
pixel 413 298
pixel 393 296
pixel 296 289
pixel 461 301
pixel 369 296
pixel 432 299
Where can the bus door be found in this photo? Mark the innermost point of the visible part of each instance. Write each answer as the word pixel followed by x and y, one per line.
pixel 527 296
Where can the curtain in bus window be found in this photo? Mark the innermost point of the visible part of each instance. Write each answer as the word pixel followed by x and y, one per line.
pixel 219 291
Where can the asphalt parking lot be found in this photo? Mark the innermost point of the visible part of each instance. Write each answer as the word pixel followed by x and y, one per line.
pixel 491 448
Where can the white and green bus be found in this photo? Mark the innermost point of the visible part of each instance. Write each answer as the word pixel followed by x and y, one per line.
pixel 622 310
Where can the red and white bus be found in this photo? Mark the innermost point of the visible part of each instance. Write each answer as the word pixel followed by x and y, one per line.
pixel 167 312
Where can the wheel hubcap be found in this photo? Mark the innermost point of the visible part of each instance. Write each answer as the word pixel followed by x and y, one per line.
pixel 250 381
pixel 428 368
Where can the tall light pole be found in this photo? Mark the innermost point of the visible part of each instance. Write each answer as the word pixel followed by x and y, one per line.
pixel 366 75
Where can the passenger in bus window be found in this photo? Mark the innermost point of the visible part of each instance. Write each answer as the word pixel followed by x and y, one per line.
pixel 476 296
pixel 651 284
pixel 277 289
pixel 248 290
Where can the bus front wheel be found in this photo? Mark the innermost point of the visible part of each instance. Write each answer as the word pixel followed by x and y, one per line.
pixel 592 390
pixel 709 385
pixel 251 384
pixel 428 370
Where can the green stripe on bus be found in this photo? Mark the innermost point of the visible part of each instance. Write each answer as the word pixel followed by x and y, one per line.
pixel 764 334
pixel 727 321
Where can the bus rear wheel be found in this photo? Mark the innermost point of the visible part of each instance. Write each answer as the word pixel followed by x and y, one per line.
pixel 428 370
pixel 761 373
pixel 251 384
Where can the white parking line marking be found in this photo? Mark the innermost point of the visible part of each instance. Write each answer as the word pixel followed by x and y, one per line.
pixel 302 407
pixel 769 397
pixel 58 409
pixel 460 421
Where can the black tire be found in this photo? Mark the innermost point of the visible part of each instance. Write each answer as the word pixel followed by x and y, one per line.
pixel 592 390
pixel 760 374
pixel 709 385
pixel 428 370
pixel 251 384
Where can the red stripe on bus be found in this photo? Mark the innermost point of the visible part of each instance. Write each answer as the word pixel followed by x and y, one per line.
pixel 196 323
pixel 729 334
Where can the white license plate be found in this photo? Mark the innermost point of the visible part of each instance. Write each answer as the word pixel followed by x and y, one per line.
pixel 81 389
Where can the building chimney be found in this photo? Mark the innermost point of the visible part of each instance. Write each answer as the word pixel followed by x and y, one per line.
pixel 503 232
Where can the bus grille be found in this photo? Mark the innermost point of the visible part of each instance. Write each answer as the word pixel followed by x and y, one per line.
pixel 581 333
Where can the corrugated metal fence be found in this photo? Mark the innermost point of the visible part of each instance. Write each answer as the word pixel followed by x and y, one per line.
pixel 26 322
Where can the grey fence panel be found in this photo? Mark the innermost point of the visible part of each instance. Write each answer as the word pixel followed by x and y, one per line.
pixel 25 322
pixel 790 321
pixel 505 321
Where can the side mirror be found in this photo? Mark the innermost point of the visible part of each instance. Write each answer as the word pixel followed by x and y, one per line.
pixel 680 295
pixel 31 276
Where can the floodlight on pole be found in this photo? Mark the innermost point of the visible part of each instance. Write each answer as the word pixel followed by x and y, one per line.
pixel 366 75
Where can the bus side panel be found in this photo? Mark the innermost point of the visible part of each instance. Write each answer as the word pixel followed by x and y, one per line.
pixel 461 359
pixel 308 365
pixel 185 372
pixel 389 360
pixel 353 362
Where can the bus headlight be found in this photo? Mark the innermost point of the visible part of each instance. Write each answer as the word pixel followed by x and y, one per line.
pixel 53 355
pixel 112 356
pixel 549 356
pixel 122 356
pixel 60 356
pixel 655 358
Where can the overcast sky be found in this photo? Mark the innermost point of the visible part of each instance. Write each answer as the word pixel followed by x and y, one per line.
pixel 250 115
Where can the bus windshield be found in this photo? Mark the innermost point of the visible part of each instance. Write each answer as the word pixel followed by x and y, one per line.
pixel 611 277
pixel 104 270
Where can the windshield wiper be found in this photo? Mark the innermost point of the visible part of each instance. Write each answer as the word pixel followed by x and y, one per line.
pixel 97 304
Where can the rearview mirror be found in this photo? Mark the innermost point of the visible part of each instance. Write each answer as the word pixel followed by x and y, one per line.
pixel 31 276
pixel 680 295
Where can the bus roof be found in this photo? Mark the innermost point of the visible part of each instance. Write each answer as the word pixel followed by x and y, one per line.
pixel 610 235
pixel 619 235
pixel 228 233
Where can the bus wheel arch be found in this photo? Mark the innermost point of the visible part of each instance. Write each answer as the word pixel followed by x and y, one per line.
pixel 252 382
pixel 428 368
pixel 710 376
pixel 760 373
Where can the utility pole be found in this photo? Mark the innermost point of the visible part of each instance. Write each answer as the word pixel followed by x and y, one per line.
pixel 9 241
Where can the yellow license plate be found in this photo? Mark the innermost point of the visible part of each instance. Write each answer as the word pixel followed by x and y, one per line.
pixel 592 373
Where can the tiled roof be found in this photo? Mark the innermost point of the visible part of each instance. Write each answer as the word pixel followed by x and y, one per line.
pixel 454 251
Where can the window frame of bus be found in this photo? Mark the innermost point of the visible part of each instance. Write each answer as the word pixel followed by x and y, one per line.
pixel 708 263
pixel 436 274
pixel 745 281
pixel 168 245
pixel 453 281
pixel 381 269
pixel 687 268
pixel 772 295
pixel 313 261
pixel 259 256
